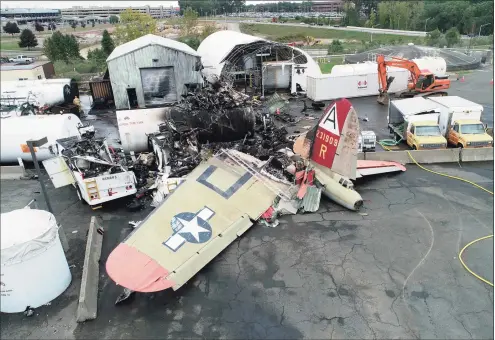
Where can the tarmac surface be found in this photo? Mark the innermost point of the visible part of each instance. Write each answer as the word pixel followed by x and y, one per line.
pixel 390 271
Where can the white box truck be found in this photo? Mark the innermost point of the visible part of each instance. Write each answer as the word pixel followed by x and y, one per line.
pixel 415 121
pixel 460 122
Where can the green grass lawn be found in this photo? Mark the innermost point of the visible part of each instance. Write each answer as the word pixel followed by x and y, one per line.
pixel 9 45
pixel 12 45
pixel 274 32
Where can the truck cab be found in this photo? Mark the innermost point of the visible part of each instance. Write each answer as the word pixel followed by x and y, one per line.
pixel 469 133
pixel 425 135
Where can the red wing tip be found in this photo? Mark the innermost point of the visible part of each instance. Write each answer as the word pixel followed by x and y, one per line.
pixel 132 269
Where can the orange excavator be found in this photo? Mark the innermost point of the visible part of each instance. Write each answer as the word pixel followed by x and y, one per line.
pixel 420 83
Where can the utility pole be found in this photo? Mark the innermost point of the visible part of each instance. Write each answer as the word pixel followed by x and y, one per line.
pixel 426 23
pixel 32 144
pixel 479 34
pixel 372 31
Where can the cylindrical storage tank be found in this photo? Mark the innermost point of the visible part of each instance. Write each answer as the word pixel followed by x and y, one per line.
pixel 41 92
pixel 364 68
pixel 435 65
pixel 15 131
pixel 34 267
pixel 343 70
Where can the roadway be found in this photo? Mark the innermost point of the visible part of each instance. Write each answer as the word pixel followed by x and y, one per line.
pixel 347 28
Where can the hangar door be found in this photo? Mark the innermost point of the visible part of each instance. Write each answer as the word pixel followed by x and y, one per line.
pixel 158 85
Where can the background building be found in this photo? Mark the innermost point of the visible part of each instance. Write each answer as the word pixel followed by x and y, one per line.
pixel 152 71
pixel 33 71
pixel 327 6
pixel 24 15
pixel 105 12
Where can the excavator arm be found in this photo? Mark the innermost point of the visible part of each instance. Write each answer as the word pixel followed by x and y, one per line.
pixel 430 85
pixel 395 62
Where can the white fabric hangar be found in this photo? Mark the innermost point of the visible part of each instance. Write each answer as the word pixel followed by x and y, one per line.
pixel 255 62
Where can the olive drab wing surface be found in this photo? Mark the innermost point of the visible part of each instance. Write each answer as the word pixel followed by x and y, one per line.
pixel 205 213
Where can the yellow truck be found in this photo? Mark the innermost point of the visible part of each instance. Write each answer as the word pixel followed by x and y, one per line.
pixel 415 121
pixel 468 133
pixel 460 122
pixel 423 135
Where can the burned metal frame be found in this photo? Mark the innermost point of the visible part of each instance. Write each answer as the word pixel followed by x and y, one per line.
pixel 240 53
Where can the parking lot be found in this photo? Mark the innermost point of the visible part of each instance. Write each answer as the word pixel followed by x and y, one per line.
pixel 389 271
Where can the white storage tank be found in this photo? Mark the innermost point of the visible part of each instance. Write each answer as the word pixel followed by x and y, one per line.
pixel 40 92
pixel 363 82
pixel 435 65
pixel 34 267
pixel 15 131
pixel 133 126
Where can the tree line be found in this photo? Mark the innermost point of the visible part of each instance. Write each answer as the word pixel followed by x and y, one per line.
pixel 467 16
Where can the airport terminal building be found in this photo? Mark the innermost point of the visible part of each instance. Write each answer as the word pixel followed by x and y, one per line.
pixel 25 15
pixel 104 12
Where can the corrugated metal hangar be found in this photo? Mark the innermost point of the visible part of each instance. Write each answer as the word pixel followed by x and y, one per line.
pixel 152 71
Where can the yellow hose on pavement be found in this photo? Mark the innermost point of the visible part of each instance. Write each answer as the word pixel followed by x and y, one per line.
pixel 463 180
pixel 449 176
pixel 467 268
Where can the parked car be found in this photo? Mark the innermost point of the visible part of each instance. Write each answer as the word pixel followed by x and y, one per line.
pixel 21 59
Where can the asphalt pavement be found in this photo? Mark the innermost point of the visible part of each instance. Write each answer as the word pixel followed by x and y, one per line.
pixel 390 271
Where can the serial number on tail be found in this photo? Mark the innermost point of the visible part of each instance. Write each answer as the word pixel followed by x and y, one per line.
pixel 327 138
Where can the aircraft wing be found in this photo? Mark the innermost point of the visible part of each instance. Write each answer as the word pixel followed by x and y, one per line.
pixel 367 168
pixel 333 142
pixel 206 213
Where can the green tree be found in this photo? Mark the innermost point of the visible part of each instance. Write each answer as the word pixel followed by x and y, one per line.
pixel 107 43
pixel 134 25
pixel 113 19
pixel 98 57
pixel 73 25
pixel 61 47
pixel 27 39
pixel 192 41
pixel 433 37
pixel 335 47
pixel 372 19
pixel 351 15
pixel 93 23
pixel 452 36
pixel 207 30
pixel 11 28
pixel 38 27
pixel 83 24
pixel 188 22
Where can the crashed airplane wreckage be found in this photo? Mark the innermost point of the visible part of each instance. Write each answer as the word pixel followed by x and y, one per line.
pixel 207 211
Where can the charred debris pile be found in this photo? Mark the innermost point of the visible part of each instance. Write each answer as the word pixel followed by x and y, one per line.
pixel 218 117
pixel 206 121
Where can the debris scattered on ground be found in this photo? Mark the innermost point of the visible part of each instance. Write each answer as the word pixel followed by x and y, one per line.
pixel 126 294
pixel 29 311
pixel 92 156
pixel 134 224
